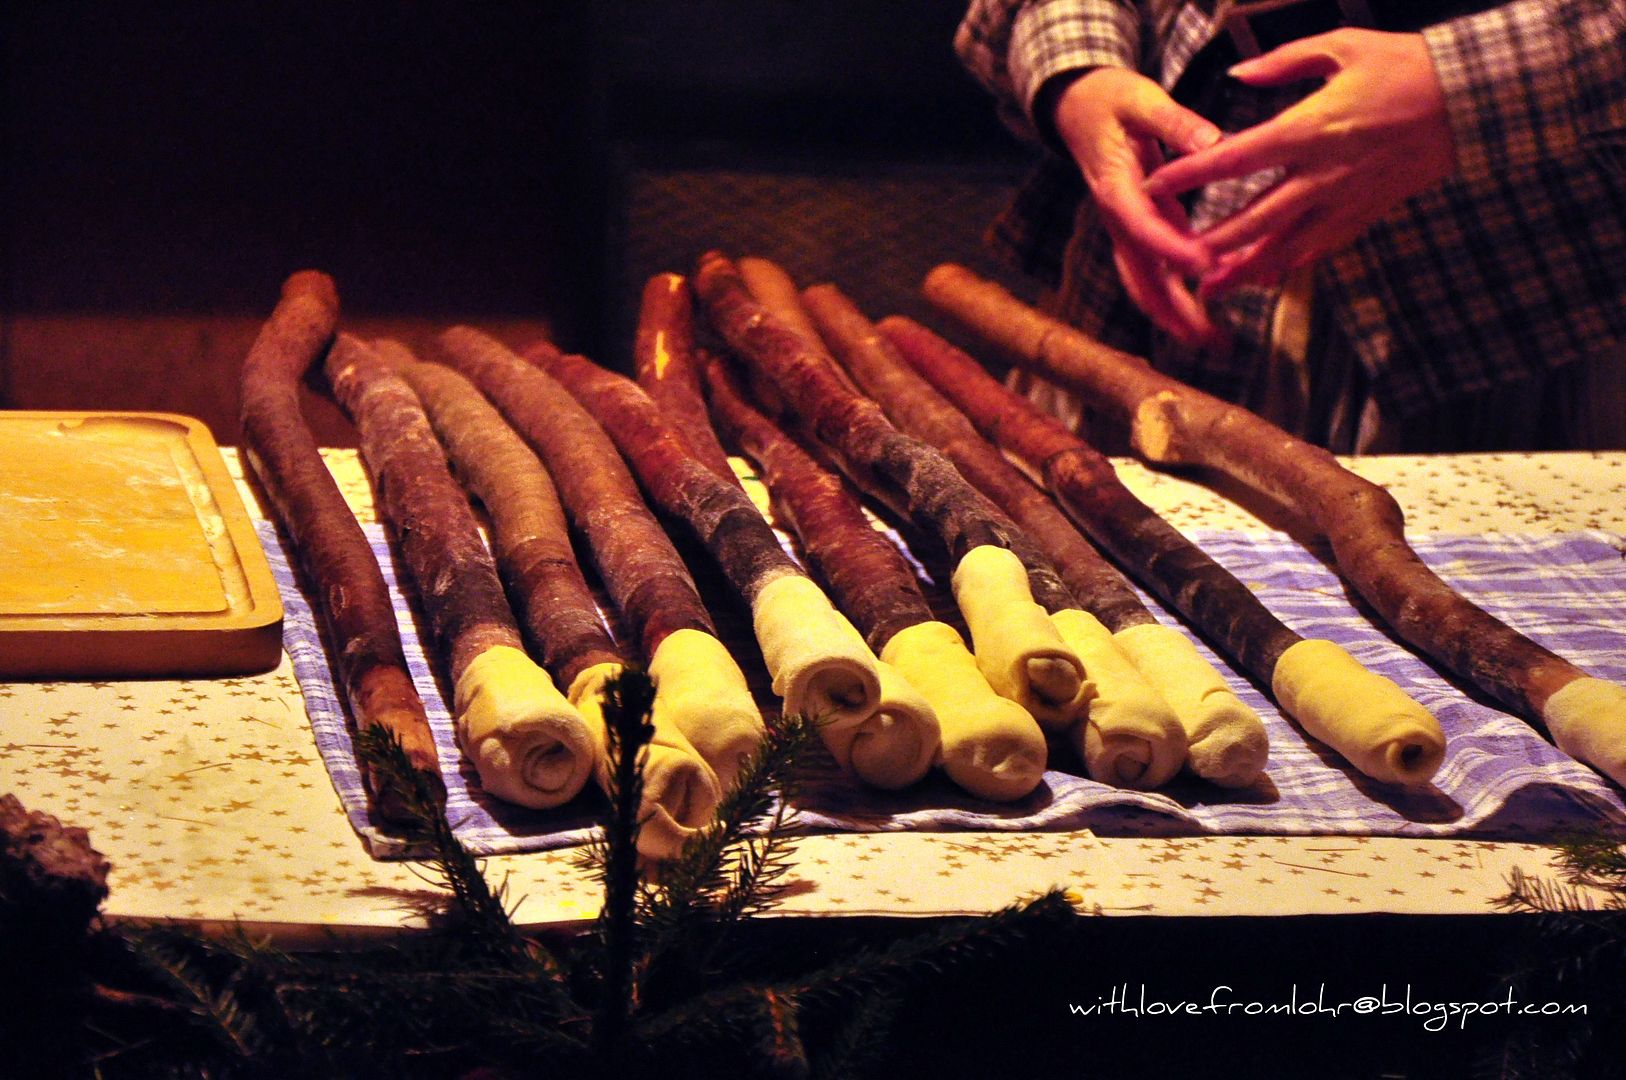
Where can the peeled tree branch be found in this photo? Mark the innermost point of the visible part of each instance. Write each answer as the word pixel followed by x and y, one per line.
pixel 915 408
pixel 1128 735
pixel 700 689
pixel 819 663
pixel 1175 424
pixel 668 367
pixel 1226 741
pixel 1020 652
pixel 528 743
pixel 332 551
pixel 531 541
pixel 1363 716
pixel 990 746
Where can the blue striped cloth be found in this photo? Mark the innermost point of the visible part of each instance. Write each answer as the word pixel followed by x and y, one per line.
pixel 1500 777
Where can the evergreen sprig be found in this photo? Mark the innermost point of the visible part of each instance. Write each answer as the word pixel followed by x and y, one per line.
pixel 725 873
pixel 1576 953
pixel 629 699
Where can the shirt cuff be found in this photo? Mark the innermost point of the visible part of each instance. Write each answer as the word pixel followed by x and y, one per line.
pixel 1054 37
pixel 1509 92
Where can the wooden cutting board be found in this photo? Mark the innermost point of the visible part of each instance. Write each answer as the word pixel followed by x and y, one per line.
pixel 125 551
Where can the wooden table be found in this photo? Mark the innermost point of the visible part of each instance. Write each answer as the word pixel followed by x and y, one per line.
pixel 210 800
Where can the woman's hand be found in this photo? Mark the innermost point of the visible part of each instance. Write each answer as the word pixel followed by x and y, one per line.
pixel 1375 134
pixel 1114 122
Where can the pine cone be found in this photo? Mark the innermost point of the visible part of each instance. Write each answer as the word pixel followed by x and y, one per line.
pixel 50 876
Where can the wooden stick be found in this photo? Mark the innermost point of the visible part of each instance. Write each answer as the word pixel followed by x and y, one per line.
pixel 1363 716
pixel 988 745
pixel 528 743
pixel 1176 424
pixel 668 368
pixel 1226 740
pixel 1051 547
pixel 819 663
pixel 1128 735
pixel 529 535
pixel 868 576
pixel 1027 662
pixel 643 572
pixel 698 684
pixel 531 542
pixel 349 590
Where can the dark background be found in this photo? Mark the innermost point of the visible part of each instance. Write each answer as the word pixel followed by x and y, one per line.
pixel 520 165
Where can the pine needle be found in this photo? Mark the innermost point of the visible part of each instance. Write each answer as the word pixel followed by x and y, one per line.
pixel 628 701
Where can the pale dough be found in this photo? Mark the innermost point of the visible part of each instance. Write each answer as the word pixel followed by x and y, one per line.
pixel 1018 648
pixel 1362 715
pixel 681 792
pixel 701 692
pixel 992 747
pixel 1129 736
pixel 1587 720
pixel 820 664
pixel 528 743
pixel 898 744
pixel 1226 743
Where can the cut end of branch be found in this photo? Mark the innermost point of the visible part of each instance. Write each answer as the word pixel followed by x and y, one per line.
pixel 313 285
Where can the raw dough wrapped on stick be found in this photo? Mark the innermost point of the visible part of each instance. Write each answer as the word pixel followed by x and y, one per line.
pixel 1128 736
pixel 1370 721
pixel 897 744
pixel 1035 667
pixel 990 746
pixel 698 686
pixel 1226 742
pixel 1172 423
pixel 819 664
pixel 528 743
pixel 531 541
pixel 333 552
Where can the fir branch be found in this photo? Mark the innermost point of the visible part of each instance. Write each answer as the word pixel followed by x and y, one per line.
pixel 1596 861
pixel 475 909
pixel 758 881
pixel 1587 861
pixel 1528 894
pixel 778 1045
pixel 629 698
pixel 702 891
pixel 1577 952
pixel 859 979
pixel 176 962
pixel 877 972
pixel 857 1041
pixel 418 1014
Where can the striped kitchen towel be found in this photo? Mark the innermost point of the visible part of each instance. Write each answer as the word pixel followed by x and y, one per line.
pixel 1500 778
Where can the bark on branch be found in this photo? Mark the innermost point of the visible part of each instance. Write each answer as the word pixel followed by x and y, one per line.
pixel 1175 424
pixel 349 591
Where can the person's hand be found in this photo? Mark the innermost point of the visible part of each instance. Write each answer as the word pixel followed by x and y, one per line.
pixel 1375 134
pixel 1113 121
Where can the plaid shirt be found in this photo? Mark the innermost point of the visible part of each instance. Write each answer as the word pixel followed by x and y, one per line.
pixel 1513 267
